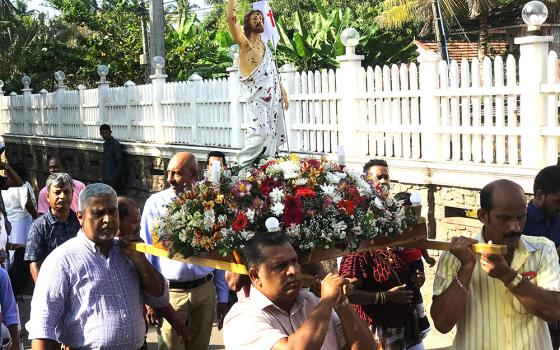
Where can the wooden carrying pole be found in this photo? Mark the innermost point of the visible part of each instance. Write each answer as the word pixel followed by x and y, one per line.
pixel 478 248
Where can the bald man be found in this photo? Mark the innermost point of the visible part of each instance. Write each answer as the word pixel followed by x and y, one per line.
pixel 191 291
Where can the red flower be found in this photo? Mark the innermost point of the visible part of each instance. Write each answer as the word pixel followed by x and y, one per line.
pixel 305 192
pixel 348 206
pixel 267 185
pixel 265 165
pixel 240 223
pixel 293 211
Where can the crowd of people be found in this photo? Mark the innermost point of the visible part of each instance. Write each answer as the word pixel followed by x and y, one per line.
pixel 91 292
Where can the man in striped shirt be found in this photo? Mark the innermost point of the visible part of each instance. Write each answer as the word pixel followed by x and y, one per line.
pixel 499 302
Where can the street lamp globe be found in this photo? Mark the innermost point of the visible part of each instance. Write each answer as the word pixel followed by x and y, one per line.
pixel 1 84
pixel 59 76
pixel 26 80
pixel 350 37
pixel 102 70
pixel 234 51
pixel 534 14
pixel 158 62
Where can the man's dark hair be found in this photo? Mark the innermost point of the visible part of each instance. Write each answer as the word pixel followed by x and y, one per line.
pixel 59 158
pixel 487 193
pixel 252 250
pixel 548 180
pixel 216 154
pixel 375 162
pixel 247 21
pixel 124 205
pixel 104 127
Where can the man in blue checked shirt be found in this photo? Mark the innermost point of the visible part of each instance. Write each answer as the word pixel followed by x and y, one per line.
pixel 191 291
pixel 90 292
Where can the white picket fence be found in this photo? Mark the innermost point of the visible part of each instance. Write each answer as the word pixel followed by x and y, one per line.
pixel 490 112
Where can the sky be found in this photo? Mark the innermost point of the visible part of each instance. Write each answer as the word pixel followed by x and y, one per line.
pixel 41 6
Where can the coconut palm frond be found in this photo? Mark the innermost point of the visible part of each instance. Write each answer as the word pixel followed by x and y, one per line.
pixel 398 14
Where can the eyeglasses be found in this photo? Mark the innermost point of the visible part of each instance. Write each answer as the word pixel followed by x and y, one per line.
pixel 379 177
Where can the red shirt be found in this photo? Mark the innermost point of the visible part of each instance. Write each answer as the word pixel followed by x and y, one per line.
pixel 410 255
pixel 373 268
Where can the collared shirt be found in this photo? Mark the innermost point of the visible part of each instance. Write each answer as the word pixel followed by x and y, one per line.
pixel 43 204
pixel 112 161
pixel 538 224
pixel 88 301
pixel 257 324
pixel 173 270
pixel 47 233
pixel 494 318
pixel 9 311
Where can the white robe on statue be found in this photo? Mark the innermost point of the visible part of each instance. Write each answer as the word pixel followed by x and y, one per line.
pixel 265 121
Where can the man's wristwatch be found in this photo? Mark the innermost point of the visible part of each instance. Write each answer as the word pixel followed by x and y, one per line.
pixel 515 282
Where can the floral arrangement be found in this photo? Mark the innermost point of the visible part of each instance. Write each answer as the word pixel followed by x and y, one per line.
pixel 318 203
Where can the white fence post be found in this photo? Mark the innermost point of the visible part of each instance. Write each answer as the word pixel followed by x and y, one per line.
pixel 347 85
pixel 102 93
pixel 287 74
pixel 195 81
pixel 26 108
pixel 429 107
pixel 235 107
pixel 81 102
pixel 61 127
pixel 158 85
pixel 532 73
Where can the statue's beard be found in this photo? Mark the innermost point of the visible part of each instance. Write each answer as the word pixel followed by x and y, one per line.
pixel 258 30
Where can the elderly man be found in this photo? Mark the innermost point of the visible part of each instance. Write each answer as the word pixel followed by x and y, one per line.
pixel 58 225
pixel 191 292
pixel 266 97
pixel 279 314
pixel 91 290
pixel 499 302
pixel 56 165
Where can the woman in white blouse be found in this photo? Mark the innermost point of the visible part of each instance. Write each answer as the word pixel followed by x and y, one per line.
pixel 20 207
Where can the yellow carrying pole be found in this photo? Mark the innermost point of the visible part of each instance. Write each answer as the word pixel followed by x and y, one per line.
pixel 196 260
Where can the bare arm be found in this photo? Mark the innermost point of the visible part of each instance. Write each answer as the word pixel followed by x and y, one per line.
pixel 14 334
pixel 43 344
pixel 30 207
pixel 397 295
pixel 236 281
pixel 34 268
pixel 12 178
pixel 234 28
pixel 311 334
pixel 449 306
pixel 356 331
pixel 151 279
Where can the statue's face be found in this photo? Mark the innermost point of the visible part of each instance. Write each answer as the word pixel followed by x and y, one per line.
pixel 257 23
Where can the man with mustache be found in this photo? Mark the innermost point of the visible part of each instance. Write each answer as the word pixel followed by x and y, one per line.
pixel 266 97
pixel 91 291
pixel 191 291
pixel 499 301
pixel 58 225
pixel 279 314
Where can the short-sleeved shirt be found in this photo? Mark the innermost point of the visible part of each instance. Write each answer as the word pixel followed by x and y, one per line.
pixel 374 268
pixel 87 300
pixel 257 324
pixel 538 224
pixel 494 318
pixel 43 204
pixel 47 233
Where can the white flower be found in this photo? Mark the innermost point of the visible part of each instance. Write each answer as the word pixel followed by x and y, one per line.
pixel 300 182
pixel 247 235
pixel 183 236
pixel 222 219
pixel 277 209
pixel 377 202
pixel 225 232
pixel 209 216
pixel 359 180
pixel 293 231
pixel 337 197
pixel 289 169
pixel 276 195
pixel 250 215
pixel 332 178
pixel 328 190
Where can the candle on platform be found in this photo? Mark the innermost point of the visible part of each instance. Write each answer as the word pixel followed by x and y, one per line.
pixel 341 155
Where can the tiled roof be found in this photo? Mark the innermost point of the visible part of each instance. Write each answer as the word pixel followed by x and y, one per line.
pixel 463 49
